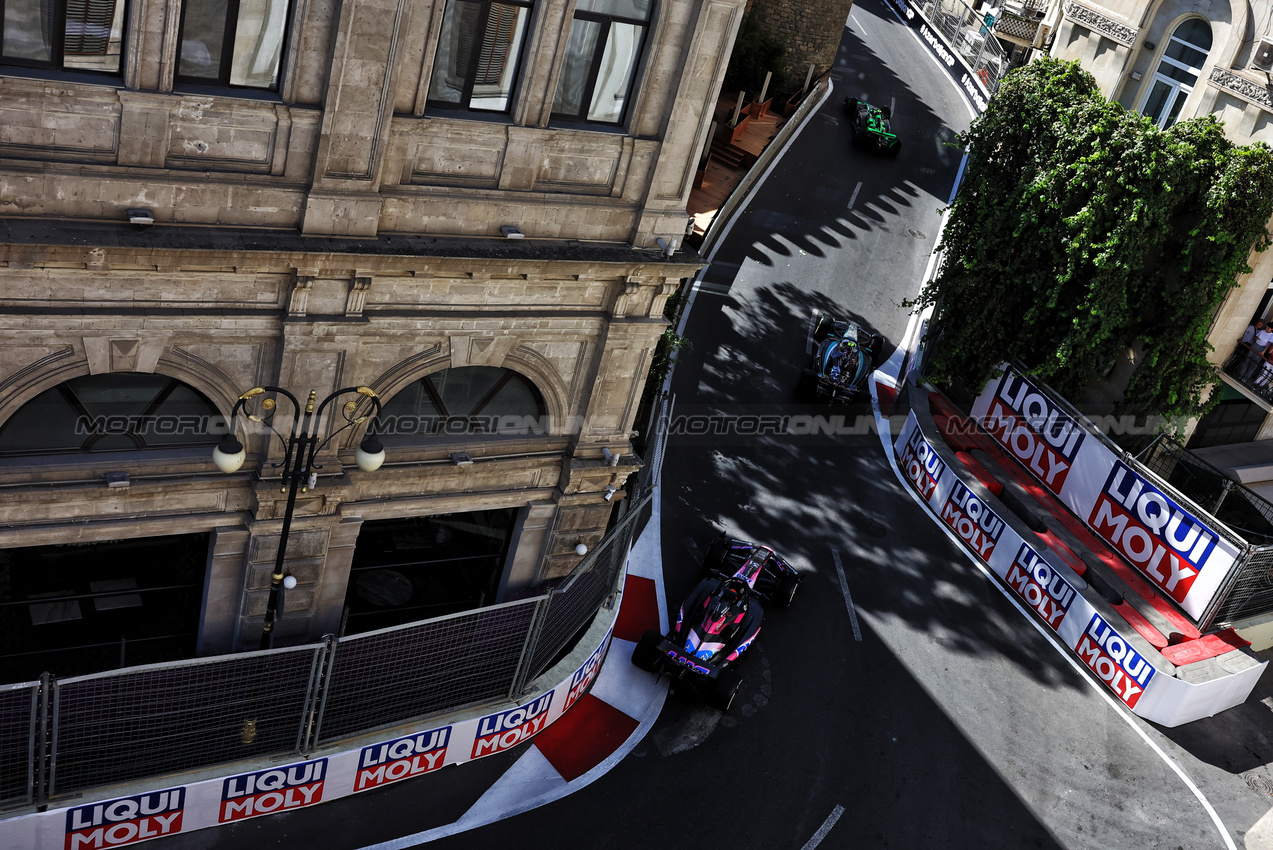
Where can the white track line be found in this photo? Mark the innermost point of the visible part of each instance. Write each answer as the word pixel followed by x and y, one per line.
pixel 854 196
pixel 848 600
pixel 817 837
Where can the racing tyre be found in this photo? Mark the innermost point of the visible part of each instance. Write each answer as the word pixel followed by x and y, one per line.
pixel 786 590
pixel 807 386
pixel 725 689
pixel 896 149
pixel 822 327
pixel 886 112
pixel 646 653
pixel 716 553
pixel 851 105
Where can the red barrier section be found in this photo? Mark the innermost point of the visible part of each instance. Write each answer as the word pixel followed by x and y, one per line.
pixel 1204 648
pixel 980 473
pixel 1140 624
pixel 639 611
pixel 1061 514
pixel 584 736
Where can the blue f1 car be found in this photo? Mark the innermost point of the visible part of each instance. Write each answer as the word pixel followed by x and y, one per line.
pixel 842 362
pixel 720 619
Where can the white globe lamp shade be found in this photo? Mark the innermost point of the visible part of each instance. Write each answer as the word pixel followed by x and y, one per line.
pixel 229 454
pixel 581 550
pixel 289 582
pixel 370 455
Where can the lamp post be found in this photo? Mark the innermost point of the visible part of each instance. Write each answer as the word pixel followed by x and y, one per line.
pixel 299 469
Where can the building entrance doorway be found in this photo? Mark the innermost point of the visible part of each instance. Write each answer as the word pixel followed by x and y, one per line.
pixel 420 567
pixel 77 608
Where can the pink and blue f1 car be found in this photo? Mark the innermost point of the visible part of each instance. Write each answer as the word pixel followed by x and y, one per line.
pixel 720 619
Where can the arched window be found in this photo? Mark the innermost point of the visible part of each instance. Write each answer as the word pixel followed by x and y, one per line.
pixel 117 412
pixel 464 401
pixel 1177 72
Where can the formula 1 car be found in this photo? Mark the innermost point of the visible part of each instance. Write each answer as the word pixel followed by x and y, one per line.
pixel 720 619
pixel 842 361
pixel 871 126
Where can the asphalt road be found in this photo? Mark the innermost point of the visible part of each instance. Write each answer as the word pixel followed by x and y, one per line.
pixel 952 722
pixel 925 713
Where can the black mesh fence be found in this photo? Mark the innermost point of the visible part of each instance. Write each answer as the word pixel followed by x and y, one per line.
pixel 148 721
pixel 391 676
pixel 18 720
pixel 1240 509
pixel 143 722
pixel 1250 593
pixel 572 606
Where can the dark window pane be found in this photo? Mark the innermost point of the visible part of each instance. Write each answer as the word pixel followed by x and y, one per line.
pixel 496 61
pixel 1156 101
pixel 638 9
pixel 459 28
pixel 476 399
pixel 1196 31
pixel 122 411
pixel 574 70
pixel 1186 55
pixel 28 30
pixel 258 43
pixel 202 38
pixel 623 48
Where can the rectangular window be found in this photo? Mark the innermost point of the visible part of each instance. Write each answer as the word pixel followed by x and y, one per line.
pixel 232 42
pixel 606 38
pixel 478 55
pixel 75 35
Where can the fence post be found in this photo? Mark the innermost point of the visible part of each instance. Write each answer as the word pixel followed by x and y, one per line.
pixel 323 687
pixel 309 708
pixel 528 646
pixel 37 772
pixel 50 786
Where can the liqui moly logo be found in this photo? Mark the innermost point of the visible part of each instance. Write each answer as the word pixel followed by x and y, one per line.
pixel 267 791
pixel 1042 587
pixel 1160 538
pixel 1037 432
pixel 498 732
pixel 921 464
pixel 585 676
pixel 1122 668
pixel 126 820
pixel 402 758
pixel 972 520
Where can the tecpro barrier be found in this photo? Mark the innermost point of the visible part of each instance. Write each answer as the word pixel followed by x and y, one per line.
pixel 1128 666
pixel 174 808
pixel 1187 556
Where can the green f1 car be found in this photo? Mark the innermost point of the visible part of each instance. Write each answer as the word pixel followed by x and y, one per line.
pixel 871 128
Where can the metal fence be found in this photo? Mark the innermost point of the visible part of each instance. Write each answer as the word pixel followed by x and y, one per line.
pixel 63 736
pixel 1248 591
pixel 966 31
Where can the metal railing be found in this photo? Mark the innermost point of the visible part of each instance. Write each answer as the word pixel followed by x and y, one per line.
pixel 965 30
pixel 63 736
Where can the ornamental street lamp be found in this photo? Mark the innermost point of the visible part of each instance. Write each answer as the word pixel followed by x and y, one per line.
pixel 299 469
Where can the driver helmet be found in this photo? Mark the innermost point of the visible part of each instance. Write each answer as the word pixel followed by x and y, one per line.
pixel 730 601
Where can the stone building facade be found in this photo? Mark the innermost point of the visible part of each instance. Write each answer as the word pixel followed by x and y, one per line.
pixel 812 32
pixel 469 205
pixel 1174 60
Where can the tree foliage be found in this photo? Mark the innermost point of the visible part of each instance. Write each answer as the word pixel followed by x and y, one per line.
pixel 1080 229
pixel 757 50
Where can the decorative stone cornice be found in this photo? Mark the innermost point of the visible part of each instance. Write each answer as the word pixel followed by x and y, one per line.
pixel 1094 20
pixel 1256 93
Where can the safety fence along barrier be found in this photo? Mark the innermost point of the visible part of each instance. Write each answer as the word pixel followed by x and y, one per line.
pixel 60 737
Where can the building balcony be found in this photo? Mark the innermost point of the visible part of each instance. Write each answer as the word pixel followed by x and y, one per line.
pixel 1248 367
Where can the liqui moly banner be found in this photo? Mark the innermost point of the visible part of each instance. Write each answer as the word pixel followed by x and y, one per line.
pixel 1051 590
pixel 122 821
pixel 1181 553
pixel 1046 589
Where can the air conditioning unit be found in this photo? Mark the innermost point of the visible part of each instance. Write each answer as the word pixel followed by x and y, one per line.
pixel 1263 59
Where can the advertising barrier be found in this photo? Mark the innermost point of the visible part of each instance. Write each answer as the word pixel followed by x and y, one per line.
pixel 132 819
pixel 1141 518
pixel 1051 589
pixel 973 85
